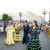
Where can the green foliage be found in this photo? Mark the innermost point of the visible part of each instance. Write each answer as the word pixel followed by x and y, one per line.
pixel 6 17
pixel 9 17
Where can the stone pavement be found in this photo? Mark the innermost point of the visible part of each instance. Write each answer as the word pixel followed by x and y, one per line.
pixel 44 41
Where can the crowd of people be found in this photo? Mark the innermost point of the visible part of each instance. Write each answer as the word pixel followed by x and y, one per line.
pixel 48 29
pixel 31 33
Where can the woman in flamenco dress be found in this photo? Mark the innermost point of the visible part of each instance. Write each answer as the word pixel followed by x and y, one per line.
pixel 9 36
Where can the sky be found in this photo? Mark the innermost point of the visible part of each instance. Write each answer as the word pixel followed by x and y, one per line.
pixel 36 6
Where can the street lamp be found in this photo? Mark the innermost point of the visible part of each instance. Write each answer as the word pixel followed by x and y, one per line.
pixel 20 14
pixel 44 13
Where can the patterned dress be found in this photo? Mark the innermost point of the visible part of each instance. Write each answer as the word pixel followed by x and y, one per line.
pixel 34 40
pixel 17 36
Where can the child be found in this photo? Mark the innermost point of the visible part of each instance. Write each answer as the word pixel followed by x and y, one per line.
pixel 10 29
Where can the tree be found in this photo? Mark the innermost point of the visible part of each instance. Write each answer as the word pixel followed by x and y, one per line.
pixel 10 18
pixel 5 17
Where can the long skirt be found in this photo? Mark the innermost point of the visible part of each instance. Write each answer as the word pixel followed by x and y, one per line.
pixel 9 40
pixel 25 39
pixel 17 37
pixel 48 33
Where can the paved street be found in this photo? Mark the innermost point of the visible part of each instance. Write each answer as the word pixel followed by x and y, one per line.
pixel 44 41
